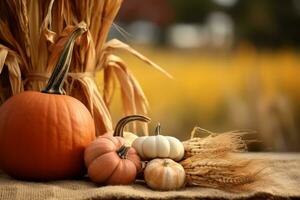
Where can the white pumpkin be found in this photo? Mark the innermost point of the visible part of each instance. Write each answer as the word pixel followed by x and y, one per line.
pixel 158 146
pixel 164 174
pixel 129 138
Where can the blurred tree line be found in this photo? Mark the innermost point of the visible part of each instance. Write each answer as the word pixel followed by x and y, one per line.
pixel 268 23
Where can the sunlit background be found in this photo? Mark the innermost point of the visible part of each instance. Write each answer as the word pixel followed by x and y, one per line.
pixel 235 65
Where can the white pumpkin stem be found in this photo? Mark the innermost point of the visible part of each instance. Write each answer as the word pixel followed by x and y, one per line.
pixel 157 129
pixel 165 163
pixel 125 120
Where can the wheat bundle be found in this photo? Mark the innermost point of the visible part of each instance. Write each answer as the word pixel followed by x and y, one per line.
pixel 215 143
pixel 210 161
pixel 32 35
pixel 227 172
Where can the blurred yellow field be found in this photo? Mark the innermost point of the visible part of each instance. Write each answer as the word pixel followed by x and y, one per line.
pixel 216 91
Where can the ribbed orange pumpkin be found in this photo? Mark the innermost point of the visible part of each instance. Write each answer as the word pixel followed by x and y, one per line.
pixel 43 135
pixel 109 161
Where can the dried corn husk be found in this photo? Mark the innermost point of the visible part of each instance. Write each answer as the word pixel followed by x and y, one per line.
pixel 32 35
pixel 215 143
pixel 134 99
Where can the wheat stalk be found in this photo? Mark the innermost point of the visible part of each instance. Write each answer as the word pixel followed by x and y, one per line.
pixel 226 172
pixel 215 143
pixel 210 162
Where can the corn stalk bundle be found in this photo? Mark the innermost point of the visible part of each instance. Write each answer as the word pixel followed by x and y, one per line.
pixel 210 161
pixel 32 36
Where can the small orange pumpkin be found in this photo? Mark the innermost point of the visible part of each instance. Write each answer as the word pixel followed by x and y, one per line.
pixel 109 160
pixel 43 135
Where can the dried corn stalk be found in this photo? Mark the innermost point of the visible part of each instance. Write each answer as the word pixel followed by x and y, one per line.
pixel 215 143
pixel 32 35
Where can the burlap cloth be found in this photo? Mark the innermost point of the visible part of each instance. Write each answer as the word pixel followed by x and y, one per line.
pixel 285 170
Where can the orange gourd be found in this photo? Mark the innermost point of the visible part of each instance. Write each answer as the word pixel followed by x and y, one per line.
pixel 43 134
pixel 109 160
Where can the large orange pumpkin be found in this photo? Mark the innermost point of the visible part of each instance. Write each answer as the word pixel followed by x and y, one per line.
pixel 43 135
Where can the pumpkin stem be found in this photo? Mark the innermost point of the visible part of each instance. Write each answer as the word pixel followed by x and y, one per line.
pixel 165 163
pixel 56 81
pixel 125 120
pixel 122 152
pixel 157 129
